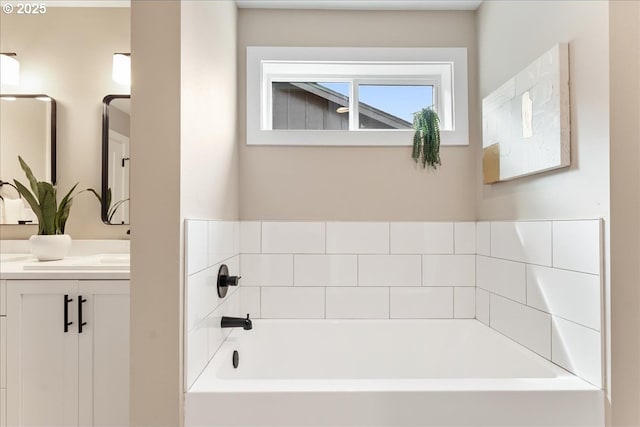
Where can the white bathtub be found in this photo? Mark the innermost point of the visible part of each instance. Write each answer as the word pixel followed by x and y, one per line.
pixel 385 373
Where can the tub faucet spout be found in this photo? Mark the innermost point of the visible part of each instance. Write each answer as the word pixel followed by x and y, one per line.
pixel 233 322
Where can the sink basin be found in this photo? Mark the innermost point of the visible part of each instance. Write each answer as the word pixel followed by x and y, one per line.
pixel 111 262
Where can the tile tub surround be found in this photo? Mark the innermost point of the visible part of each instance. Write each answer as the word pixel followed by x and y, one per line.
pixel 208 245
pixel 536 282
pixel 358 270
pixel 540 284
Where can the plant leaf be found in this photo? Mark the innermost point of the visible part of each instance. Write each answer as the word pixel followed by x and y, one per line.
pixel 114 208
pixel 33 182
pixel 30 198
pixel 95 193
pixel 62 213
pixel 49 209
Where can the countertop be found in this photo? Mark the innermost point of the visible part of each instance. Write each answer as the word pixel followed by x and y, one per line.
pixel 22 266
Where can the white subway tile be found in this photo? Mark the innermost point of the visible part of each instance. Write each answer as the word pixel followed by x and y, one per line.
pixel 482 305
pixel 202 296
pixel 292 303
pixel 578 350
pixel 389 270
pixel 525 241
pixel 573 296
pixel 217 335
pixel 525 325
pixel 357 303
pixel 464 303
pixel 250 237
pixel 358 237
pixel 464 237
pixel 421 237
pixel 576 245
pixel 196 353
pixel 293 237
pixel 448 270
pixel 197 241
pixel 222 241
pixel 266 270
pixel 483 238
pixel 250 301
pixel 325 270
pixel 421 303
pixel 506 278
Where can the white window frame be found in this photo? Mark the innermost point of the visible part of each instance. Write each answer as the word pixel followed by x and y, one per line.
pixel 443 68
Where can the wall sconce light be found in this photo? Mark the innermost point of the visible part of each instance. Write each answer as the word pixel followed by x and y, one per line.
pixel 122 68
pixel 9 69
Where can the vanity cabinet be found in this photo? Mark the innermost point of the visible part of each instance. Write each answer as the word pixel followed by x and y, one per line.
pixel 67 353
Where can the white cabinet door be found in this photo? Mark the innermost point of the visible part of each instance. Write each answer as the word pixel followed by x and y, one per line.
pixel 104 354
pixel 42 379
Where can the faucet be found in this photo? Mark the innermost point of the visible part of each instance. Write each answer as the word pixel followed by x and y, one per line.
pixel 233 322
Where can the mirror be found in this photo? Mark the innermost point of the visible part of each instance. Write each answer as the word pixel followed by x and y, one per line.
pixel 27 129
pixel 115 158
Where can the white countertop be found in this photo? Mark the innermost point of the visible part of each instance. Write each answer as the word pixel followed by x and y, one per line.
pixel 22 266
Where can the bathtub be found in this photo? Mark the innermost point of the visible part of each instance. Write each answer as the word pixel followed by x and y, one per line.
pixel 385 373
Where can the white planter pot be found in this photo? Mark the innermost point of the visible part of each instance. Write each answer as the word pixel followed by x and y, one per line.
pixel 50 248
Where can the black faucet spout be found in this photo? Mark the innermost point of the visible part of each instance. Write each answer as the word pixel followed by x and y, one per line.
pixel 236 322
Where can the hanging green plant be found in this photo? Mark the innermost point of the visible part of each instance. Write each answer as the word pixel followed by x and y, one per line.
pixel 426 139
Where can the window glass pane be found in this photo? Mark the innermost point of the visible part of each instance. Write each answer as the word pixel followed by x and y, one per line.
pixel 391 106
pixel 310 105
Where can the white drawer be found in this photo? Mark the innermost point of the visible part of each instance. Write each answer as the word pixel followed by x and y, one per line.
pixel 3 353
pixel 3 297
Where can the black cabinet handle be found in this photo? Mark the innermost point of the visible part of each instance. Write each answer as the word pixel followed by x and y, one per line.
pixel 67 300
pixel 80 322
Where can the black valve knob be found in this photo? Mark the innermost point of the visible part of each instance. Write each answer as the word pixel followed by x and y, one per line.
pixel 224 280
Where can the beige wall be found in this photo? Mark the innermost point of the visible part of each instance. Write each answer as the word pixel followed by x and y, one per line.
pixel 511 34
pixel 624 23
pixel 354 183
pixel 67 54
pixel 209 177
pixel 184 113
pixel 156 258
pixel 25 132
pixel 119 121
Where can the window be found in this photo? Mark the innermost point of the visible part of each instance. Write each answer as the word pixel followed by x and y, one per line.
pixel 353 96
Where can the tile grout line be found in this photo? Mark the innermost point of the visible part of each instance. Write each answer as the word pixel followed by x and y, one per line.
pixel 539 265
pixel 454 238
pixel 453 302
pixel 325 302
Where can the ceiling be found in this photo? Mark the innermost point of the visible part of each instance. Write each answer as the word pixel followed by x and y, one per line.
pixel 305 4
pixel 361 4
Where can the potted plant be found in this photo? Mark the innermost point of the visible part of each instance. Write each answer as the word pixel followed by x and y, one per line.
pixel 426 139
pixel 51 243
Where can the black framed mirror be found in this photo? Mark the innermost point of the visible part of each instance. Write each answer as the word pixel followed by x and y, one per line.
pixel 116 116
pixel 27 129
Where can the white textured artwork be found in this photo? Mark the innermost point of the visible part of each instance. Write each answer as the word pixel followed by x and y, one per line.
pixel 526 121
